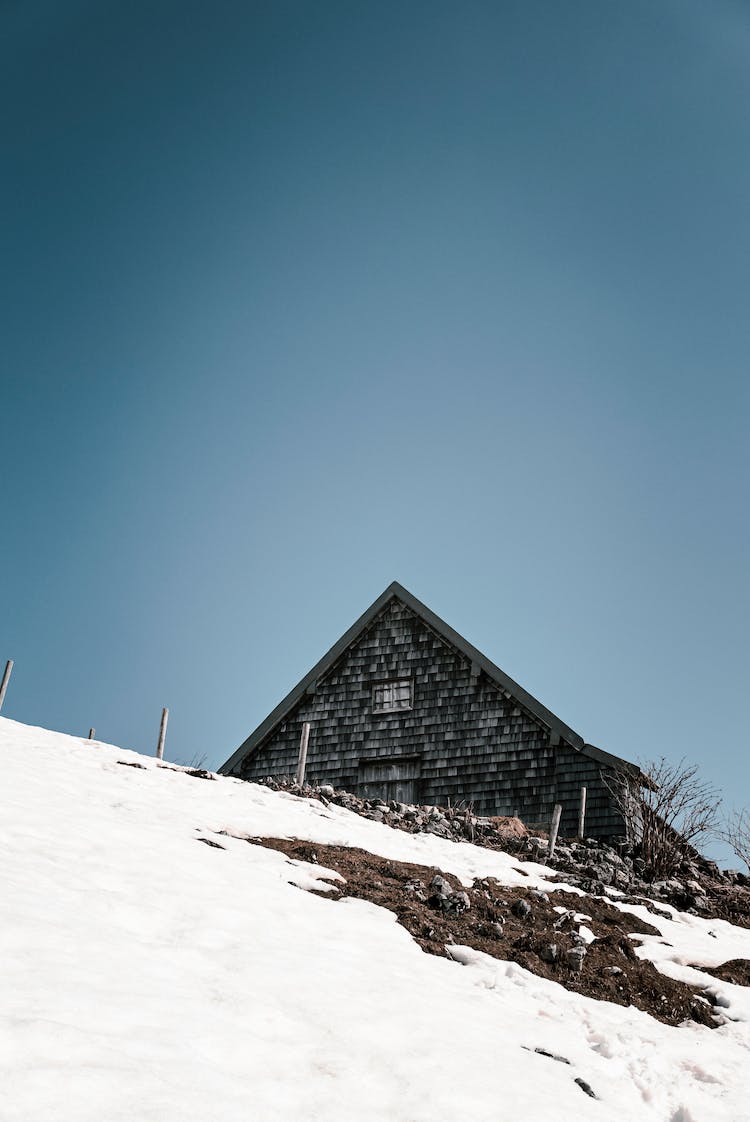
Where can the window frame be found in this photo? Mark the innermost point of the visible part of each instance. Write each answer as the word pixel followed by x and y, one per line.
pixel 392 682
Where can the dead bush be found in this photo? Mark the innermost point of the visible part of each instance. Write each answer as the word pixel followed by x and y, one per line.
pixel 736 833
pixel 667 809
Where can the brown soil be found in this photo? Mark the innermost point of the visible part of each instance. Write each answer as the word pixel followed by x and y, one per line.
pixel 736 971
pixel 731 903
pixel 611 970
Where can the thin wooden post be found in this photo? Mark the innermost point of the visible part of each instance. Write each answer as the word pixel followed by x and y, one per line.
pixel 6 679
pixel 162 734
pixel 91 733
pixel 582 813
pixel 554 827
pixel 302 762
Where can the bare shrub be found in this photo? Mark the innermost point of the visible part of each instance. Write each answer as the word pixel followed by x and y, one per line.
pixel 196 762
pixel 736 833
pixel 667 809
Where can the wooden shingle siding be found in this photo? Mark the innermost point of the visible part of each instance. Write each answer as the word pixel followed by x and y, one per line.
pixel 474 744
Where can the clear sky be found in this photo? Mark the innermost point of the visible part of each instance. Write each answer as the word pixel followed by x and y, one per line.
pixel 299 299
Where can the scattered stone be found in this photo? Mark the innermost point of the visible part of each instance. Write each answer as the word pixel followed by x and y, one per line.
pixel 591 865
pixel 586 1087
pixel 566 919
pixel 551 1055
pixel 460 902
pixel 521 908
pixel 445 899
pixel 198 773
pixel 440 887
pixel 398 886
pixel 575 957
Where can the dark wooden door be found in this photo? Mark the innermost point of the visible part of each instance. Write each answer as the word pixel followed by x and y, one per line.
pixel 389 779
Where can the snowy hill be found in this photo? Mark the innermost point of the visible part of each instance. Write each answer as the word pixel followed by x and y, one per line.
pixel 147 976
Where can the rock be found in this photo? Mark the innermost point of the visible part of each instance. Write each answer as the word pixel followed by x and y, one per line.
pixel 601 873
pixel 440 886
pixel 586 1087
pixel 521 908
pixel 446 899
pixel 550 1055
pixel 575 957
pixel 537 894
pixel 565 919
pixel 549 952
pixel 327 791
pixel 439 829
pixel 613 970
pixel 593 887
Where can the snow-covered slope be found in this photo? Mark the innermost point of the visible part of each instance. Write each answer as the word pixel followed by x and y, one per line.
pixel 146 976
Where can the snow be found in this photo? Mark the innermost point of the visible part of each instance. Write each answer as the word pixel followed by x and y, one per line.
pixel 146 976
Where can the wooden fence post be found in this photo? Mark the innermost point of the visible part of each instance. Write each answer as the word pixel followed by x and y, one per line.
pixel 302 762
pixel 582 813
pixel 92 732
pixel 554 827
pixel 6 679
pixel 162 734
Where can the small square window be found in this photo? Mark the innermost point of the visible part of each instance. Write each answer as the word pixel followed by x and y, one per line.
pixel 391 697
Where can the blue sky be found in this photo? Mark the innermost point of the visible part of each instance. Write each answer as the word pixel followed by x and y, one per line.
pixel 301 299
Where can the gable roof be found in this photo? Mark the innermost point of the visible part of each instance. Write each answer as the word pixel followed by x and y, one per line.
pixel 447 634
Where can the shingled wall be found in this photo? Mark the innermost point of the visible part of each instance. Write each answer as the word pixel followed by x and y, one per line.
pixel 472 742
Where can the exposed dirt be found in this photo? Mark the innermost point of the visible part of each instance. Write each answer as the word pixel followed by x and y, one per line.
pixel 196 772
pixel 699 885
pixel 610 970
pixel 736 971
pixel 731 903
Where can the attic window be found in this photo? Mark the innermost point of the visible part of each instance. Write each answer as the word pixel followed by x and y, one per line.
pixel 391 697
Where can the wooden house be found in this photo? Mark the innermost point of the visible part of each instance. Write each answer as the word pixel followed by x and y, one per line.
pixel 403 707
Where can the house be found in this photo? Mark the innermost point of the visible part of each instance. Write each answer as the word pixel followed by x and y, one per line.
pixel 403 707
